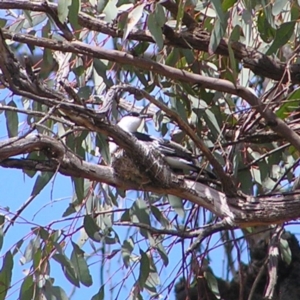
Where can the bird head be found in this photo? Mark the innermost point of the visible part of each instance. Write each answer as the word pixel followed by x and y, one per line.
pixel 132 121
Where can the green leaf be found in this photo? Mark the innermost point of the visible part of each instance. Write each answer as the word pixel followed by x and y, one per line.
pixel 132 19
pixel 110 11
pixel 79 188
pixel 212 283
pixel 162 252
pixel 285 251
pixel 41 182
pixel 12 120
pixel 155 30
pixel 127 248
pixel 160 217
pixel 139 213
pixel 99 295
pixel 226 4
pixel 53 292
pixel 63 9
pixel 3 22
pixel 30 250
pixel 144 269
pixel 74 9
pixel 216 36
pixel 101 142
pixel 27 288
pixel 177 205
pixel 266 31
pixel 283 34
pixel 6 274
pixel 91 228
pixel 68 268
pixel 234 36
pixel 290 105
pixel 80 265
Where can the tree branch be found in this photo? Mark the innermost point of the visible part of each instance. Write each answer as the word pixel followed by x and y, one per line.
pixel 197 39
pixel 241 212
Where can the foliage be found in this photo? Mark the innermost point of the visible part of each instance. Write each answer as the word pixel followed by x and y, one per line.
pixel 224 72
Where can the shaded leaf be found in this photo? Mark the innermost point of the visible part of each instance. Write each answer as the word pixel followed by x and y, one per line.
pixel 80 265
pixel 155 30
pixel 177 205
pixel 6 274
pixel 91 228
pixel 160 217
pixel 226 4
pixel 41 182
pixel 99 295
pixel 68 268
pixel 139 213
pixel 285 251
pixel 12 121
pixel 282 36
pixel 27 288
pixel 144 269
pixel 30 250
pixel 63 9
pixel 212 284
pixel 216 36
pixel 79 188
pixel 127 248
pixel 74 9
pixel 267 32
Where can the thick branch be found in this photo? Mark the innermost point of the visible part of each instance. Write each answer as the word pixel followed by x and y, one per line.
pixel 198 39
pixel 278 125
pixel 242 212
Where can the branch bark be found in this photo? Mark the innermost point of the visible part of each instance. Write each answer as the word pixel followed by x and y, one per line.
pixel 241 212
pixel 195 38
pixel 277 125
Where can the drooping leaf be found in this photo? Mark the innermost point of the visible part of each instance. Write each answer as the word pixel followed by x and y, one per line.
pixel 144 268
pixel 6 274
pixel 177 205
pixel 41 181
pixel 79 188
pixel 283 34
pixel 30 250
pixel 63 9
pixel 212 283
pixel 74 9
pixel 127 248
pixel 100 294
pixel 216 36
pixel 132 19
pixel 27 288
pixel 285 251
pixel 68 268
pixel 139 213
pixel 12 120
pixel 91 228
pixel 80 265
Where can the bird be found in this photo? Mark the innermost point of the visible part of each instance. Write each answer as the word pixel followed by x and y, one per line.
pixel 129 123
pixel 178 158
